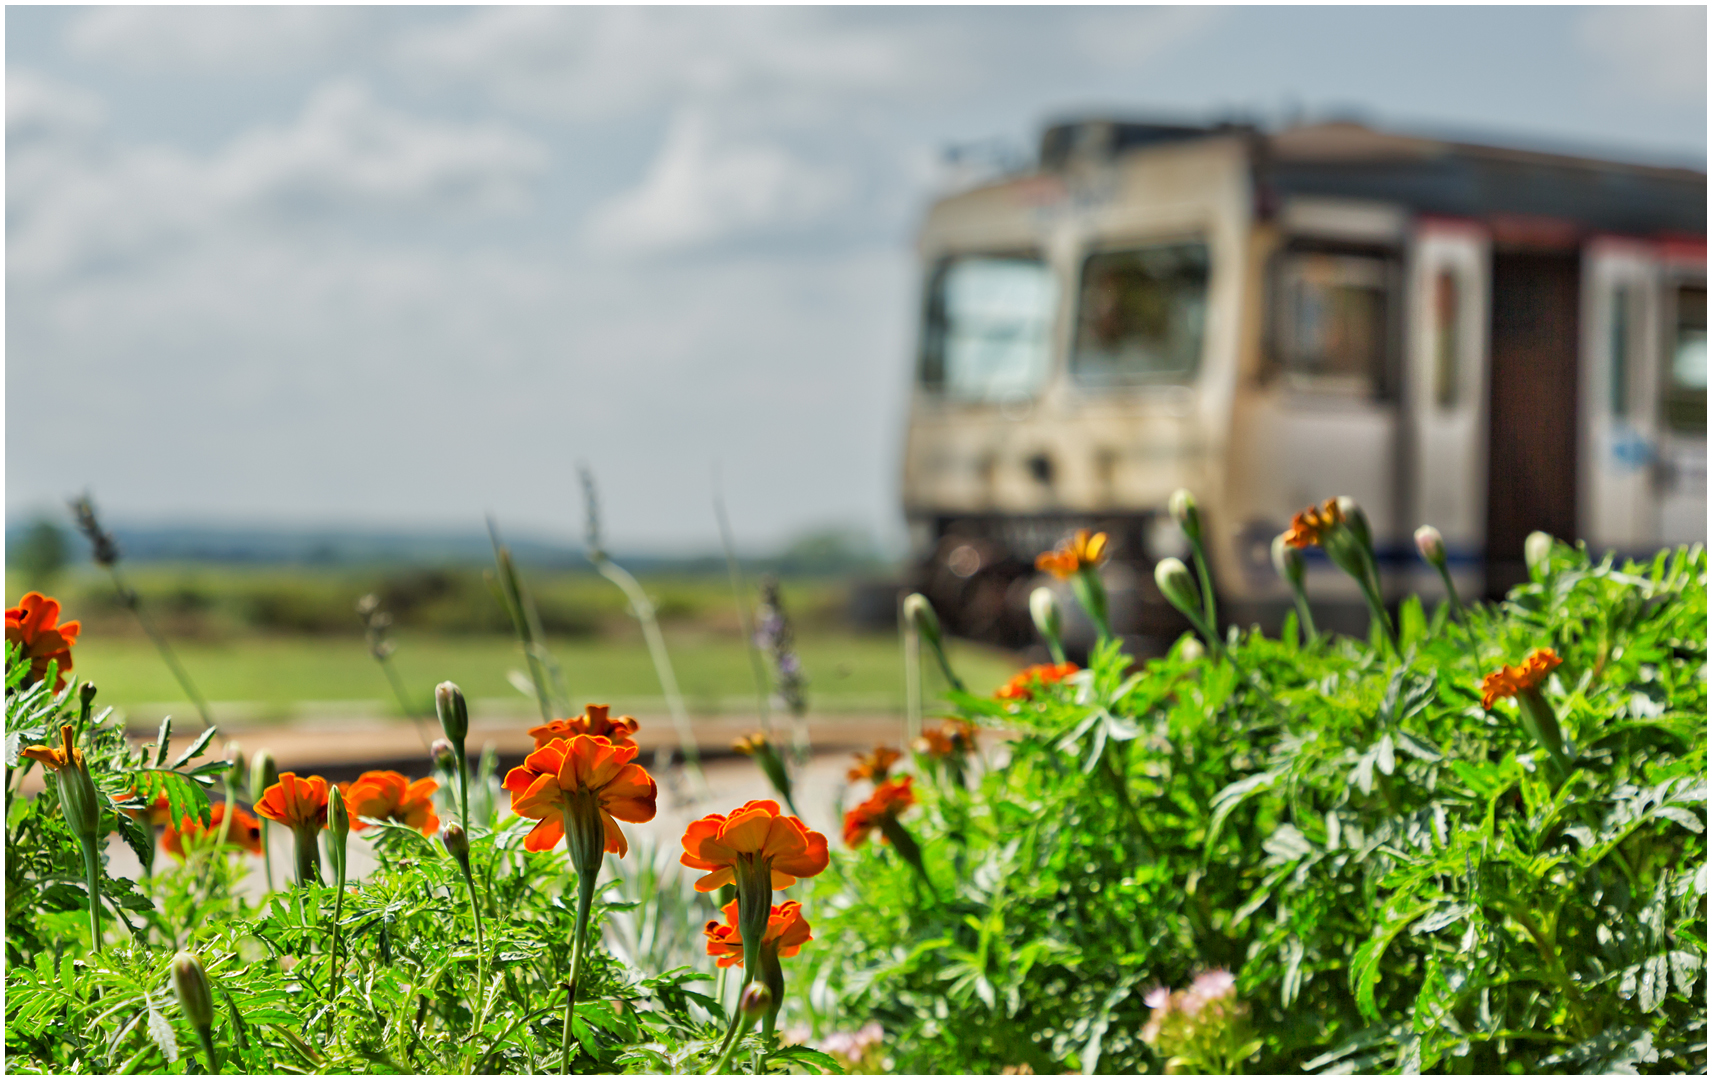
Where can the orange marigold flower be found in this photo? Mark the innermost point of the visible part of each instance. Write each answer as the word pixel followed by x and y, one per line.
pixel 1080 552
pixel 296 802
pixel 1021 685
pixel 874 766
pixel 1509 681
pixel 952 738
pixel 755 833
pixel 545 786
pixel 32 626
pixel 1308 528
pixel 158 812
pixel 390 796
pixel 787 932
pixel 593 721
pixel 889 800
pixel 56 757
pixel 246 831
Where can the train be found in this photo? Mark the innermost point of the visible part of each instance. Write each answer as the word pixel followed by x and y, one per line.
pixel 1489 339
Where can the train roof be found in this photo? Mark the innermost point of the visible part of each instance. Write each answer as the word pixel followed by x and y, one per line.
pixel 1428 175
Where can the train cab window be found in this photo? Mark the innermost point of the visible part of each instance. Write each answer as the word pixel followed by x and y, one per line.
pixel 989 327
pixel 1333 320
pixel 1685 390
pixel 1142 315
pixel 1622 348
pixel 1447 338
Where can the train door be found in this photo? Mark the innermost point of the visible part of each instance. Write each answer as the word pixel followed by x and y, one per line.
pixel 1445 394
pixel 1619 386
pixel 1532 433
pixel 1325 421
pixel 1681 468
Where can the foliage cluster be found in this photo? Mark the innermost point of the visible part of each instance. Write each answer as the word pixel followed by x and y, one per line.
pixel 418 988
pixel 1398 877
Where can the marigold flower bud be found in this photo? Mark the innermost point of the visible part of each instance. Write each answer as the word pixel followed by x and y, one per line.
pixel 454 713
pixel 264 773
pixel 919 611
pixel 86 694
pixel 236 765
pixel 456 841
pixel 338 829
pixel 195 996
pixel 1536 551
pixel 1430 544
pixel 443 754
pixel 756 1000
pixel 1287 560
pixel 1048 617
pixel 1356 520
pixel 1178 585
pixel 1186 513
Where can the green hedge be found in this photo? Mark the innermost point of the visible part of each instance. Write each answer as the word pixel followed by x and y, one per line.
pixel 1398 877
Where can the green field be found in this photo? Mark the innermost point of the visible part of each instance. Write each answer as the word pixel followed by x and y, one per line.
pixel 277 677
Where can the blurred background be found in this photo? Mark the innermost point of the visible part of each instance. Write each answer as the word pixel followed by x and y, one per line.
pixel 300 294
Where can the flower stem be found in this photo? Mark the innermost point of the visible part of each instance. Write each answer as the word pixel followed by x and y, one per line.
pixel 740 1027
pixel 267 855
pixel 338 912
pixel 308 856
pixel 1456 609
pixel 206 1033
pixel 579 943
pixel 463 788
pixel 92 875
pixel 1303 612
pixel 475 909
pixel 1209 605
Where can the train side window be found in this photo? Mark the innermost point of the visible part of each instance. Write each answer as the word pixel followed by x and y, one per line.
pixel 1622 346
pixel 1685 390
pixel 1447 338
pixel 1142 315
pixel 1333 320
pixel 988 333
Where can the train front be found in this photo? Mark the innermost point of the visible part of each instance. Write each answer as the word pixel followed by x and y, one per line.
pixel 1077 341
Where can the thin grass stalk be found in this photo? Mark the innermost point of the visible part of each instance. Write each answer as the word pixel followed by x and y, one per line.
pixel 399 692
pixel 509 587
pixel 911 640
pixel 744 625
pixel 643 608
pixel 128 596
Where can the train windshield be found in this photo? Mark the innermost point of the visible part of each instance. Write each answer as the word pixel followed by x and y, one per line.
pixel 989 327
pixel 1142 315
pixel 1685 390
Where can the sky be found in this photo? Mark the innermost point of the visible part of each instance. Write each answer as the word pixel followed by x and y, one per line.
pixel 400 267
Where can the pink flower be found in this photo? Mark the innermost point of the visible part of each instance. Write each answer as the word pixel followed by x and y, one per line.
pixel 1212 985
pixel 1158 998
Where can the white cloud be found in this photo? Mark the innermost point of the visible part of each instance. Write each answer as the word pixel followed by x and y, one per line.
pixel 708 184
pixel 209 40
pixel 84 206
pixel 1654 53
pixel 595 63
pixel 1123 37
pixel 39 108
